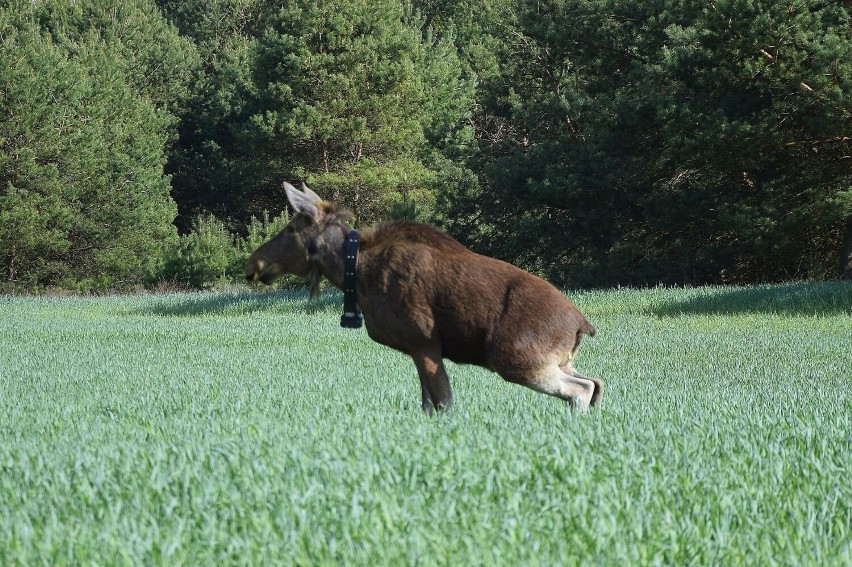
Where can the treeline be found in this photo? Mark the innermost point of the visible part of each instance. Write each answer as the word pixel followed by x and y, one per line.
pixel 595 142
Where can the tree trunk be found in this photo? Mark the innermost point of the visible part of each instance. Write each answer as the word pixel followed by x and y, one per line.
pixel 325 154
pixel 846 254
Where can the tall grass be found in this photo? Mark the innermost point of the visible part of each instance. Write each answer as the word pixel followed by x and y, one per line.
pixel 250 429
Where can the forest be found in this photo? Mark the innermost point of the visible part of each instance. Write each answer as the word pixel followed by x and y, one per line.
pixel 596 143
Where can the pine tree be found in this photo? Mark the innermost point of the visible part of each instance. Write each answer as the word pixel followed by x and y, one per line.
pixel 347 96
pixel 84 202
pixel 649 142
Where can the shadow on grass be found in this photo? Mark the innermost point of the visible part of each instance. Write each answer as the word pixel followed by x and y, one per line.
pixel 803 299
pixel 243 303
pixel 807 299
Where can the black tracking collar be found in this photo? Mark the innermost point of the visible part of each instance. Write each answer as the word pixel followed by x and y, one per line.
pixel 352 318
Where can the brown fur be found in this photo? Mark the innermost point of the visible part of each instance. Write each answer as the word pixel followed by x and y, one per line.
pixel 426 295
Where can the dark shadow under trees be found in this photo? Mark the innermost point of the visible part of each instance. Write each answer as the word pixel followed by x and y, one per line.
pixel 243 303
pixel 801 299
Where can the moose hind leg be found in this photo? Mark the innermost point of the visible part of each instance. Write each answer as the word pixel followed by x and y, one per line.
pixel 554 381
pixel 434 382
pixel 597 396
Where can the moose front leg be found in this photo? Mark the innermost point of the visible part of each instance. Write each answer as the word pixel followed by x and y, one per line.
pixel 434 382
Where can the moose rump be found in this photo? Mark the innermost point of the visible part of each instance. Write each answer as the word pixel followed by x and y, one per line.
pixel 423 293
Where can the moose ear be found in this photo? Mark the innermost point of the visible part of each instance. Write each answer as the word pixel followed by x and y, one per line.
pixel 311 195
pixel 300 202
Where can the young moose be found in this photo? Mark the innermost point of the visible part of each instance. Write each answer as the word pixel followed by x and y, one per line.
pixel 424 294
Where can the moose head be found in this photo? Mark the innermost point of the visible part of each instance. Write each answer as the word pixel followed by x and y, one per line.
pixel 290 251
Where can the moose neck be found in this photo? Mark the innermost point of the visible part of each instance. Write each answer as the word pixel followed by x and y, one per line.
pixel 329 258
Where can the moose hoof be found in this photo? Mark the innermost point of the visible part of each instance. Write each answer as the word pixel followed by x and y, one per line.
pixel 578 404
pixel 597 396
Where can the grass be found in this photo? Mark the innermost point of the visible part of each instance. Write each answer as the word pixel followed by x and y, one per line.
pixel 250 429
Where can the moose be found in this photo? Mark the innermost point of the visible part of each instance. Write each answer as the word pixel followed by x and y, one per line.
pixel 426 295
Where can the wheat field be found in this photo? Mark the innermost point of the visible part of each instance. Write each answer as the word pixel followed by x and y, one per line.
pixel 248 428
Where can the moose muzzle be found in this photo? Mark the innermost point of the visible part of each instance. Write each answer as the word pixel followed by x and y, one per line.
pixel 254 270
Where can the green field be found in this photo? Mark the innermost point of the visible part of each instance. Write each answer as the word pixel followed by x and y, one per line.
pixel 248 428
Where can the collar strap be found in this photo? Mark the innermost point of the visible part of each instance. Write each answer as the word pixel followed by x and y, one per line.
pixel 352 318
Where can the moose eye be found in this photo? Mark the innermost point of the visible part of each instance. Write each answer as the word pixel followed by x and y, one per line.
pixel 290 229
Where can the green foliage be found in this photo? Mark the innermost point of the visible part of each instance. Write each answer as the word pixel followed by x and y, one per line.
pixel 594 142
pixel 83 198
pixel 210 255
pixel 395 189
pixel 157 62
pixel 203 257
pixel 259 231
pixel 662 141
pixel 251 429
pixel 212 171
pixel 342 94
